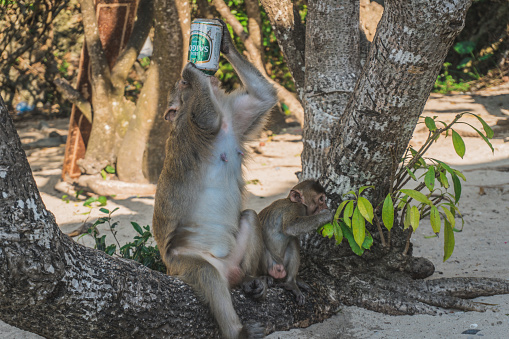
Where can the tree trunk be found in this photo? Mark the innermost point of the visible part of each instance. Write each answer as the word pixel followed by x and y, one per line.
pixel 170 38
pixel 332 68
pixel 111 111
pixel 404 61
pixel 290 33
pixel 171 23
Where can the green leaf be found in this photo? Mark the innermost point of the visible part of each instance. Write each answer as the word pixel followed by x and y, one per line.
pixel 457 188
pixel 414 217
pixel 430 123
pixel 406 221
pixel 110 169
pixel 449 216
pixel 487 129
pixel 365 208
pixel 347 232
pixel 89 201
pixel 104 210
pixel 484 137
pixel 340 208
pixel 429 178
pixel 434 217
pixel 338 234
pixel 410 173
pixel 358 226
pixel 368 241
pixel 416 195
pixel 443 180
pixel 448 240
pixel 458 143
pixel 464 47
pixel 464 62
pixel 326 230
pixel 103 174
pixel 485 57
pixel 347 214
pixel 350 193
pixel 402 202
pixel 459 174
pixel 137 227
pixel 102 200
pixel 363 188
pixel 388 212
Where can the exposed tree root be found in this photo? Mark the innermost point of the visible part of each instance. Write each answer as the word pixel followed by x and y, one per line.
pixel 382 287
pixel 96 184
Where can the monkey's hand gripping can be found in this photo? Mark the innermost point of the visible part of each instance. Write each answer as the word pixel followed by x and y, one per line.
pixel 205 45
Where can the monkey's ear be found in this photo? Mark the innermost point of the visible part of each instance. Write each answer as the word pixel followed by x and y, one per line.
pixel 296 196
pixel 170 114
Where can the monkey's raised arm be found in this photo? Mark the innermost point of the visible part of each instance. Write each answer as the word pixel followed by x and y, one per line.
pixel 258 95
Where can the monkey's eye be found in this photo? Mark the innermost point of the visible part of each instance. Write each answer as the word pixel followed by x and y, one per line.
pixel 184 83
pixel 322 199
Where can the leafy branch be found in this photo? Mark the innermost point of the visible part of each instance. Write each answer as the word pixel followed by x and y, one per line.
pixel 431 195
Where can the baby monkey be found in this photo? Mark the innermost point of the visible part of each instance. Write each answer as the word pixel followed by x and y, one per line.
pixel 304 210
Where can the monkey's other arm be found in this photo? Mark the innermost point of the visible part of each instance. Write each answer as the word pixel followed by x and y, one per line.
pixel 299 223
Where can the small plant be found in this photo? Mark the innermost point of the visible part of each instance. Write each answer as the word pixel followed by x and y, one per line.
pixel 410 206
pixel 140 249
pixel 108 169
pixel 446 83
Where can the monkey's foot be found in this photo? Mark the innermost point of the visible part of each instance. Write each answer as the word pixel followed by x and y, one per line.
pixel 277 271
pixel 252 330
pixel 256 287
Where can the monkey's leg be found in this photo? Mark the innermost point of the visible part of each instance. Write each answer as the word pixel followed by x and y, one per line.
pixel 292 262
pixel 253 255
pixel 210 285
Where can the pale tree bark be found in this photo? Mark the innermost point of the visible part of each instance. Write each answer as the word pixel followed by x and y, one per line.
pixel 111 111
pixel 404 61
pixel 332 68
pixel 141 156
pixel 253 43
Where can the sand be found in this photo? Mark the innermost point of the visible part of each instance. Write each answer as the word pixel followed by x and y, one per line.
pixel 482 249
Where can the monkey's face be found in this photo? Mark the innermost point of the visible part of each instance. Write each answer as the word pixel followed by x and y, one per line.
pixel 313 199
pixel 316 203
pixel 191 91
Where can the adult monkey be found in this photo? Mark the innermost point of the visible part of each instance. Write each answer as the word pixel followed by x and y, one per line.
pixel 203 237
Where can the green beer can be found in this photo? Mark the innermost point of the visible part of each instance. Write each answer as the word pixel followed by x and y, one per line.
pixel 205 44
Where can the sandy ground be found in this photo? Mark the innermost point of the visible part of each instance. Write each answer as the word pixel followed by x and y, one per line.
pixel 481 250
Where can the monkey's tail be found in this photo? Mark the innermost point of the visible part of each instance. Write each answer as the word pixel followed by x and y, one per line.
pixel 212 287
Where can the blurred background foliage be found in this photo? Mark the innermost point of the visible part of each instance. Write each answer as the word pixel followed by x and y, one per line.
pixel 36 51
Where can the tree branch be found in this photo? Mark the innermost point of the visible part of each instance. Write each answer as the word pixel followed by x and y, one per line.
pixel 100 68
pixel 75 97
pixel 290 33
pixel 130 53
